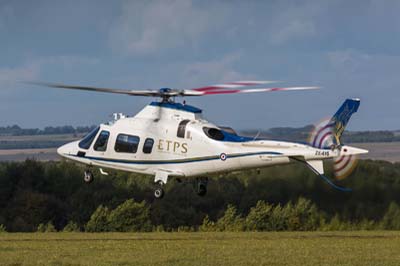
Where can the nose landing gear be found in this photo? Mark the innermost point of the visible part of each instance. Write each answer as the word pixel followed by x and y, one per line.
pixel 160 179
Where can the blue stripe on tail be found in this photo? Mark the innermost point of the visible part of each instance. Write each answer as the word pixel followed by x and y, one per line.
pixel 342 117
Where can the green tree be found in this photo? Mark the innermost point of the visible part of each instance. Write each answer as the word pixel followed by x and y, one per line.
pixel 259 217
pixel 130 216
pixel 303 216
pixel 337 224
pixel 391 220
pixel 71 227
pixel 46 228
pixel 207 225
pixel 99 220
pixel 230 221
pixel 279 218
pixel 2 228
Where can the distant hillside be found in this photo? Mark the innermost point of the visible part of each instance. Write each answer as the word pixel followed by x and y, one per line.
pixel 302 134
pixel 16 130
pixel 15 137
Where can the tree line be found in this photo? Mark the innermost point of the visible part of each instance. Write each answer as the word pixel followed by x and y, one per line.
pixel 302 134
pixel 278 133
pixel 51 196
pixel 16 130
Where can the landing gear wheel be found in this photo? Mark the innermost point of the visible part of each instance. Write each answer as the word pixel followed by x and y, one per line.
pixel 88 177
pixel 201 189
pixel 201 186
pixel 159 193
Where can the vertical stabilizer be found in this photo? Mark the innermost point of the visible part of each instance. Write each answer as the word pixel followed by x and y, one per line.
pixel 328 133
pixel 342 117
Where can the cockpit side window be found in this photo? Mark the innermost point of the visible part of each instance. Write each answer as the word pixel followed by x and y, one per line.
pixel 126 143
pixel 101 142
pixel 213 133
pixel 148 145
pixel 88 139
pixel 182 128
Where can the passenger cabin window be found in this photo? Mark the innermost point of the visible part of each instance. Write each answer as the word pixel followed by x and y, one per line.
pixel 213 133
pixel 101 142
pixel 148 145
pixel 182 128
pixel 126 143
pixel 87 141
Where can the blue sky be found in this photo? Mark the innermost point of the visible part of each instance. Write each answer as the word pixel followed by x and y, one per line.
pixel 349 48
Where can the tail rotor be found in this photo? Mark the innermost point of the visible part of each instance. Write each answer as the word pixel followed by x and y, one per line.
pixel 328 133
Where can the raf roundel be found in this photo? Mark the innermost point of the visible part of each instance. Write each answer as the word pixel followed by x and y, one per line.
pixel 222 156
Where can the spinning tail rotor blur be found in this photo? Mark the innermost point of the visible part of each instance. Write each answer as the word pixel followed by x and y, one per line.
pixel 327 135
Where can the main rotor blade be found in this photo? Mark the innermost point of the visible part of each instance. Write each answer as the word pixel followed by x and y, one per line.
pixel 166 93
pixel 235 84
pixel 211 92
pixel 97 89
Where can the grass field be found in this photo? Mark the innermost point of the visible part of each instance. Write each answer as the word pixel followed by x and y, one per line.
pixel 300 248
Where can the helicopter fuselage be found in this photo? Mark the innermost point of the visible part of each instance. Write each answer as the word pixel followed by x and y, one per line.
pixel 172 139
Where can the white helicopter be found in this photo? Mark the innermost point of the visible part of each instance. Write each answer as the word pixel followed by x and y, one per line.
pixel 167 140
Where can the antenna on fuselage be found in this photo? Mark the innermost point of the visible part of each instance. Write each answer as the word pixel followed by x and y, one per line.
pixel 257 135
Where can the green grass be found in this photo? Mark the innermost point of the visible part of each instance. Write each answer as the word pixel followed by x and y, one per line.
pixel 308 248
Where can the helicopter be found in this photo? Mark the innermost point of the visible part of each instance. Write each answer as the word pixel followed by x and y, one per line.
pixel 168 139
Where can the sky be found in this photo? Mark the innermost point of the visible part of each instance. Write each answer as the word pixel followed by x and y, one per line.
pixel 348 48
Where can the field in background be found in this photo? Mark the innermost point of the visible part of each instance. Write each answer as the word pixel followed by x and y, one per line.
pixel 23 154
pixel 36 141
pixel 277 248
pixel 35 138
pixel 387 151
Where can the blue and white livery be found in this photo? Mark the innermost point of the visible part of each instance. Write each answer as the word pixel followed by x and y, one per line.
pixel 172 140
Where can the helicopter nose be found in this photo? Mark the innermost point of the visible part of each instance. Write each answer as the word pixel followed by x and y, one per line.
pixel 67 149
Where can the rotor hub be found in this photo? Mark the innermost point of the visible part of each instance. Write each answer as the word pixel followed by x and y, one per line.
pixel 165 90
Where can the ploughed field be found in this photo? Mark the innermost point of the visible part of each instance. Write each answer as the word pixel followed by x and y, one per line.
pixel 272 248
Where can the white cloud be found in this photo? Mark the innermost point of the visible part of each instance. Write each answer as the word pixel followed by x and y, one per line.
pixel 13 77
pixel 217 70
pixel 294 22
pixel 149 27
pixel 154 27
pixel 371 69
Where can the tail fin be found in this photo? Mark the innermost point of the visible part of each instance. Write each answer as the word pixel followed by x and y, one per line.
pixel 342 117
pixel 328 133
